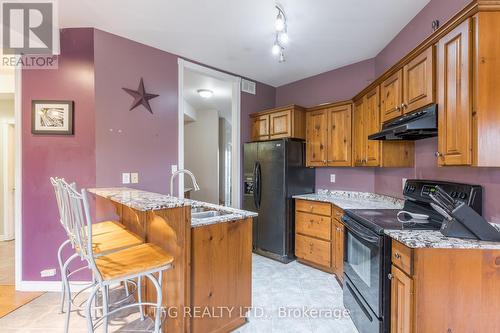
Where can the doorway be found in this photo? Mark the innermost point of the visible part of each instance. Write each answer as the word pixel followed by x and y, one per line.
pixel 209 134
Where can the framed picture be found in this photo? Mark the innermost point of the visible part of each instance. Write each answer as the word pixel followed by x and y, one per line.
pixel 52 117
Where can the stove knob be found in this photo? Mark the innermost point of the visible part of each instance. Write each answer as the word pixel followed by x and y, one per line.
pixel 454 194
pixel 463 195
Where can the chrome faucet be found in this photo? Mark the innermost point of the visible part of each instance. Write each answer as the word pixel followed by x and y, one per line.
pixel 195 184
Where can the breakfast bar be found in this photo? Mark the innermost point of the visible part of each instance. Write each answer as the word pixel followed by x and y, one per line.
pixel 208 288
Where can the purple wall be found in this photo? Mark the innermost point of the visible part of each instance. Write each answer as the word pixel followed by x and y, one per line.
pixel 336 85
pixel 134 141
pixel 416 31
pixel 72 157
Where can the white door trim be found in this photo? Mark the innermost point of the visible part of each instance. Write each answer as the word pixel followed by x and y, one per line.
pixel 18 181
pixel 235 119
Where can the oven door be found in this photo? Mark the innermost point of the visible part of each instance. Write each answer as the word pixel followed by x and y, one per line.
pixel 363 262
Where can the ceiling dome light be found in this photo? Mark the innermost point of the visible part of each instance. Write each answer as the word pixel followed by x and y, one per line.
pixel 280 22
pixel 283 38
pixel 205 93
pixel 276 49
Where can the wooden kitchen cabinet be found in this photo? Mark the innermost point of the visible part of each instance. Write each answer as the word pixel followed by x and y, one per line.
pixel 319 236
pixel 283 122
pixel 455 112
pixel 401 302
pixel 392 96
pixel 260 128
pixel 444 290
pixel 373 153
pixel 329 135
pixel 419 81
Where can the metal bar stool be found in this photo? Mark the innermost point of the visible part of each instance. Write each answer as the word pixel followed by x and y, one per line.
pixel 139 261
pixel 109 236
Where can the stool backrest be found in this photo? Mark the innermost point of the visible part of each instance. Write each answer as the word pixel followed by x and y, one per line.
pixel 80 222
pixel 63 205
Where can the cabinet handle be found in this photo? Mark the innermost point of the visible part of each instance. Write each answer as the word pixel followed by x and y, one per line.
pixel 438 154
pixel 389 276
pixel 398 108
pixel 397 255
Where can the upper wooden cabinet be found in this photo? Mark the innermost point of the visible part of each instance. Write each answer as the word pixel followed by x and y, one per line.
pixel 392 96
pixel 410 88
pixel 328 135
pixel 419 81
pixel 455 108
pixel 284 122
pixel 371 152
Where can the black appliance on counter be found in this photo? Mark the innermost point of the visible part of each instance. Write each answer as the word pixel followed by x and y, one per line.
pixel 367 252
pixel 273 172
pixel 417 125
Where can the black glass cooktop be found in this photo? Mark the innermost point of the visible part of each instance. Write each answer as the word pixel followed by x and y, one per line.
pixel 379 220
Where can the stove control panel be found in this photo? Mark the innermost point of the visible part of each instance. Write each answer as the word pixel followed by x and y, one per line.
pixel 419 190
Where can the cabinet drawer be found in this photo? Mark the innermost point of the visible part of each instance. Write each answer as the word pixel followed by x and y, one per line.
pixel 314 207
pixel 402 257
pixel 313 225
pixel 313 250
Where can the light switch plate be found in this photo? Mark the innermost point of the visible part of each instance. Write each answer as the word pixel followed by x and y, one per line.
pixel 126 178
pixel 174 168
pixel 134 177
pixel 332 178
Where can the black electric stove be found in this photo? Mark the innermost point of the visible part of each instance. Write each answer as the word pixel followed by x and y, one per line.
pixel 367 250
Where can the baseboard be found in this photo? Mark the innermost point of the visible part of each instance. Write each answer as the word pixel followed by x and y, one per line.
pixel 49 286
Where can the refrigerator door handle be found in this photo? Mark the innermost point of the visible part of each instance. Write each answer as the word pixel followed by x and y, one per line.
pixel 259 185
pixel 255 185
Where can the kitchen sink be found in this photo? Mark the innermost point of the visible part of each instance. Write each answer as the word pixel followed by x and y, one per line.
pixel 207 214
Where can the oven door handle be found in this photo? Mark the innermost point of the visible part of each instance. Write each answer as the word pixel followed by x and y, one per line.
pixel 357 230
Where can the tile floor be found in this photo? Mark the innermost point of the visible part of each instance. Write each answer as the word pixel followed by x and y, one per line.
pixel 280 293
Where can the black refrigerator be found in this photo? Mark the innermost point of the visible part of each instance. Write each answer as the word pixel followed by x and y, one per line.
pixel 273 172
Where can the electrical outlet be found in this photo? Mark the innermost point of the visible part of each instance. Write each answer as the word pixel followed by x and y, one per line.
pixel 126 178
pixel 134 177
pixel 174 168
pixel 332 178
pixel 403 183
pixel 48 272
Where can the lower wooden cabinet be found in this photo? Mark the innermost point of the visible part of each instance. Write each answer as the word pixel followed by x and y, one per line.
pixel 319 236
pixel 401 301
pixel 444 290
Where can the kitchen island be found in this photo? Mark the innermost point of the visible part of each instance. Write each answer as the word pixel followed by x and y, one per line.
pixel 208 288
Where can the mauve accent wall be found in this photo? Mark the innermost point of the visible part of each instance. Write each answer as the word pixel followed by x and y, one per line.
pixel 134 141
pixel 336 85
pixel 72 157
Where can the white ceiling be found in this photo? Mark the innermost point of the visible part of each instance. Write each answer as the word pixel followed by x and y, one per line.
pixel 237 35
pixel 221 99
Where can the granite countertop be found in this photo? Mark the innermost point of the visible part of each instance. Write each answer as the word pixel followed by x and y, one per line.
pixel 354 200
pixel 147 201
pixel 434 239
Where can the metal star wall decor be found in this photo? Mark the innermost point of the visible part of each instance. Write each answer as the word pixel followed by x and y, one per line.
pixel 140 97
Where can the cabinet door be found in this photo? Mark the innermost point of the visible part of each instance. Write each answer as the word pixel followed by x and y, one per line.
pixel 401 302
pixel 280 124
pixel 313 250
pixel 260 128
pixel 455 109
pixel 359 151
pixel 419 81
pixel 316 138
pixel 338 250
pixel 372 125
pixel 392 96
pixel 339 136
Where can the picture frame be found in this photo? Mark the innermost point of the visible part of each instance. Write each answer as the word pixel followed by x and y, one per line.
pixel 52 117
